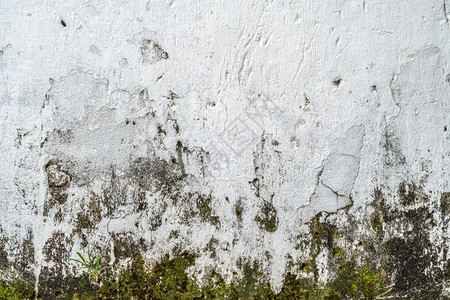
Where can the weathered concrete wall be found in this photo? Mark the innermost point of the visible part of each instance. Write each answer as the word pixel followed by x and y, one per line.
pixel 271 131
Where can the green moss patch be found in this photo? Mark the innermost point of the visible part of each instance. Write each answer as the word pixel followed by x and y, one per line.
pixel 169 280
pixel 267 217
pixel 356 283
pixel 16 290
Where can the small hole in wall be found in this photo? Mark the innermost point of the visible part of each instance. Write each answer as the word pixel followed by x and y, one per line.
pixel 63 23
pixel 127 122
pixel 134 123
pixel 374 88
pixel 445 128
pixel 337 81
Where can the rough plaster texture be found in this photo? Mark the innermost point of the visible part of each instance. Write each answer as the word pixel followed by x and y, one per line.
pixel 146 126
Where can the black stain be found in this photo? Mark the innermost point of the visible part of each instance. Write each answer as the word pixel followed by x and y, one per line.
pixel 337 82
pixel 63 23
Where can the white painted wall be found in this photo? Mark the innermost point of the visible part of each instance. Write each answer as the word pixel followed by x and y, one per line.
pixel 252 87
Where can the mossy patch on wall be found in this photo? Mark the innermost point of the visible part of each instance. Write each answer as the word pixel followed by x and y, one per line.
pixel 411 258
pixel 17 290
pixel 169 279
pixel 196 205
pixel 267 217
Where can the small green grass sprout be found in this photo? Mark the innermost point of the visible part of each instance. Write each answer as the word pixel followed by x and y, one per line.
pixel 92 266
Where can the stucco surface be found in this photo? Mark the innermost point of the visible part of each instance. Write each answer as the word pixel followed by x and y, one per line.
pixel 150 126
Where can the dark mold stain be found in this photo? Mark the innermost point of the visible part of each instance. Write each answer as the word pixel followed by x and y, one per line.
pixel 152 52
pixel 212 246
pixel 3 254
pixel 409 262
pixel 322 234
pixel 239 210
pixel 63 136
pixel 393 153
pixel 58 183
pixel 197 206
pixel 161 131
pixel 22 262
pixel 409 193
pixel 156 173
pixel 445 203
pixel 180 149
pixel 267 217
pixel 203 204
pixel 25 263
pixel 89 216
pixel 410 259
pixel 124 246
pixel 337 82
pixel 174 234
pixel 56 251
pixel 376 223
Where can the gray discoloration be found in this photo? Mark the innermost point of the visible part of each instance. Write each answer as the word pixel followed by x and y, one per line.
pixel 3 253
pixel 393 153
pixel 151 52
pixel 412 256
pixel 55 266
pixel 445 203
pixel 58 182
